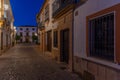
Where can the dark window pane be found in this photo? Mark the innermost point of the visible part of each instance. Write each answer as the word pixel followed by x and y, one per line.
pixel 27 28
pixel 21 29
pixel 101 37
pixel 33 29
pixel 55 39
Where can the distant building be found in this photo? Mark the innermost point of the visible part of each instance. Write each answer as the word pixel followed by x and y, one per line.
pixel 26 33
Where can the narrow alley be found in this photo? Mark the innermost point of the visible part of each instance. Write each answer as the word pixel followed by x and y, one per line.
pixel 59 40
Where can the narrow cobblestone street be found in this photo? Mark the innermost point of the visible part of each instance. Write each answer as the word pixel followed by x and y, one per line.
pixel 23 63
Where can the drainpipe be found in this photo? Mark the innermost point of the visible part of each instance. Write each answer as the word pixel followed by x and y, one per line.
pixel 73 39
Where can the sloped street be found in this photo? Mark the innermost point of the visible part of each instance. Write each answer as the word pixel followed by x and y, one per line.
pixel 23 63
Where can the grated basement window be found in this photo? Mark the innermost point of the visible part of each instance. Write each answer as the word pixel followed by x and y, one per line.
pixel 101 37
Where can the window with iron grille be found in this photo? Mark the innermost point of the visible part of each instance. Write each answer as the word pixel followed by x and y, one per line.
pixel 56 39
pixel 101 37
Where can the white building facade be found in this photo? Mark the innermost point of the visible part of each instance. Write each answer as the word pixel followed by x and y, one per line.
pixel 96 39
pixel 26 33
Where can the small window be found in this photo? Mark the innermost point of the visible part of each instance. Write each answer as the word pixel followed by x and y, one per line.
pixel 56 39
pixel 33 29
pixel 27 28
pixel 76 13
pixel 101 37
pixel 21 29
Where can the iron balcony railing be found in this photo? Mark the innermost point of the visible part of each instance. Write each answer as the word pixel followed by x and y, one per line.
pixel 47 13
pixel 46 16
pixel 41 25
pixel 8 23
pixel 59 5
pixel 2 18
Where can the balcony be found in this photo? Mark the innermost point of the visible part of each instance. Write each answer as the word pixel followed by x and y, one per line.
pixel 3 19
pixel 41 26
pixel 8 23
pixel 46 16
pixel 62 6
pixel 47 13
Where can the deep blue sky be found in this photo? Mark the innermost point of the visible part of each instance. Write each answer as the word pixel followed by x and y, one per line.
pixel 25 11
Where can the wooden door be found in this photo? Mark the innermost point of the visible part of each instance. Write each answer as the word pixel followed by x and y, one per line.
pixel 1 40
pixel 6 40
pixel 64 45
pixel 49 41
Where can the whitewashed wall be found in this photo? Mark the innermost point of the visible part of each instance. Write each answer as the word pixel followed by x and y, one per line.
pixel 90 7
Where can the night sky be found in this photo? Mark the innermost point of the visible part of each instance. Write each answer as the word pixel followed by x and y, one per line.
pixel 25 11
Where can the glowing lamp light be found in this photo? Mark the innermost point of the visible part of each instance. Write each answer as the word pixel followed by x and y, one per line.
pixel 14 27
pixel 6 7
pixel 35 34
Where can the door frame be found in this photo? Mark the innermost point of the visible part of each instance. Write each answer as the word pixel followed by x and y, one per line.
pixel 1 40
pixel 64 58
pixel 49 40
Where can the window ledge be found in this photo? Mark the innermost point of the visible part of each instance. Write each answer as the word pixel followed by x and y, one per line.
pixel 103 62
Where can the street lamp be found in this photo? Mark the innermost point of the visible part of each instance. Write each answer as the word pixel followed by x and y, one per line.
pixel 14 27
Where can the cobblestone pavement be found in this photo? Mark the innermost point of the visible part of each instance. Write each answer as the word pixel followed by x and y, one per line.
pixel 23 63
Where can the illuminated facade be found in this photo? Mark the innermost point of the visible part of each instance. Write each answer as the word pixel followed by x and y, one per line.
pixel 45 29
pixel 55 29
pixel 6 25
